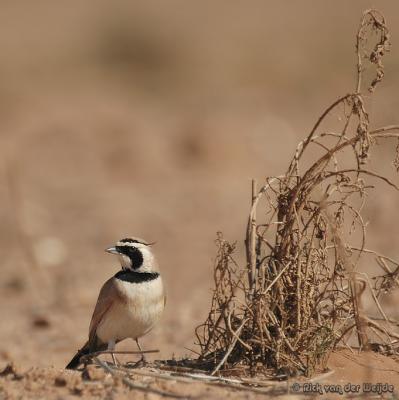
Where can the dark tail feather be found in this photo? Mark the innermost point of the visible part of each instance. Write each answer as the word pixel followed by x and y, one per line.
pixel 86 349
pixel 75 362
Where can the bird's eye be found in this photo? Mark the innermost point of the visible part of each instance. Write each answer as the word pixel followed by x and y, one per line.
pixel 125 249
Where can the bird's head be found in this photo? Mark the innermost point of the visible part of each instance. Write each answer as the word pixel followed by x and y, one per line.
pixel 134 254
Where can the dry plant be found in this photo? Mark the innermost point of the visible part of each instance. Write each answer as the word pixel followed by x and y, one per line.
pixel 300 293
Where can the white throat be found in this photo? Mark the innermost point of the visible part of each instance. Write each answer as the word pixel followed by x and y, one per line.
pixel 125 261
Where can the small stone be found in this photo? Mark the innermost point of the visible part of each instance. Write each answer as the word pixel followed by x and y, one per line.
pixel 93 373
pixel 108 381
pixel 11 370
pixel 8 370
pixel 32 386
pixel 60 381
pixel 78 388
pixel 40 322
pixel 74 380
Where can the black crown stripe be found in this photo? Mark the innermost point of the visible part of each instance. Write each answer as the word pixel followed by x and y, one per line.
pixel 129 240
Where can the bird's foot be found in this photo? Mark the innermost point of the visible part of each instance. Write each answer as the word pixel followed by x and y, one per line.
pixel 138 364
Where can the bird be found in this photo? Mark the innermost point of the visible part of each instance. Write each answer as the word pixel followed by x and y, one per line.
pixel 129 304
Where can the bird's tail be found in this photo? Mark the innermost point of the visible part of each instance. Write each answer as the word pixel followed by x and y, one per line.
pixel 91 346
pixel 75 362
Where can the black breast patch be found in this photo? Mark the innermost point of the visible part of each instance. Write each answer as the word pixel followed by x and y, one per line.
pixel 136 277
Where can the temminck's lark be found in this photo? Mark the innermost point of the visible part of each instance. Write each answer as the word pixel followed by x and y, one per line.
pixel 129 304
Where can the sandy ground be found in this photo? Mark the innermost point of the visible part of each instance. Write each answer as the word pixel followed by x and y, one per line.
pixel 150 120
pixel 370 374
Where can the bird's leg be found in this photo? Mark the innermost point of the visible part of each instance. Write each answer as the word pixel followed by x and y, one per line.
pixel 142 360
pixel 111 347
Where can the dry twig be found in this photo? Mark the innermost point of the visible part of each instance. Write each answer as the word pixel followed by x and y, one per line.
pixel 136 385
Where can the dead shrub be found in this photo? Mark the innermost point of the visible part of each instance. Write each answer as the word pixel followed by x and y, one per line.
pixel 299 294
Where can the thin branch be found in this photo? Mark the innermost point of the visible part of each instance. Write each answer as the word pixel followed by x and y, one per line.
pixel 136 385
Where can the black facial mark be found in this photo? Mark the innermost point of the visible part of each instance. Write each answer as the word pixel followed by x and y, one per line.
pixel 133 253
pixel 136 277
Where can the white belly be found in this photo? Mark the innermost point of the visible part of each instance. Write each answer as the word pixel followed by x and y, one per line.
pixel 135 317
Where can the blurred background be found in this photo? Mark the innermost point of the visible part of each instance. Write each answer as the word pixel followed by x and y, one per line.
pixel 149 119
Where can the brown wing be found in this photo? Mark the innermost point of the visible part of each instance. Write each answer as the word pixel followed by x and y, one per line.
pixel 108 295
